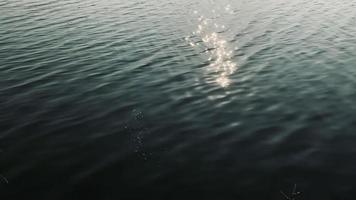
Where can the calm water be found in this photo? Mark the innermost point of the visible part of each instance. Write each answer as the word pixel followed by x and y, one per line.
pixel 178 99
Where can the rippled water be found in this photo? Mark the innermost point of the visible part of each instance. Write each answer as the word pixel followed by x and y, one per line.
pixel 183 99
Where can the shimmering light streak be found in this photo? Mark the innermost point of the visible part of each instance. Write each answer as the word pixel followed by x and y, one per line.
pixel 217 49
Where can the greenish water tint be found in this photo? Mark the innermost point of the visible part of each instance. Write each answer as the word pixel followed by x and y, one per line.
pixel 177 99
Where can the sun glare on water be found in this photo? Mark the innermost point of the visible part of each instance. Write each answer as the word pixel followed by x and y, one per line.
pixel 215 47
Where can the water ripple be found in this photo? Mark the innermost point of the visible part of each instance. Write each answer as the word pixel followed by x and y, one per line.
pixel 151 96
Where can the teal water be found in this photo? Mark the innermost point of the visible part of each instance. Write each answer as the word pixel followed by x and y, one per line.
pixel 177 99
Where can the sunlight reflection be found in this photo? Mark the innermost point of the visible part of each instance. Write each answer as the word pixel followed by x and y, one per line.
pixel 219 54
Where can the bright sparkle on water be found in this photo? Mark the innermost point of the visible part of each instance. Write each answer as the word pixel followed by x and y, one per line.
pixel 217 49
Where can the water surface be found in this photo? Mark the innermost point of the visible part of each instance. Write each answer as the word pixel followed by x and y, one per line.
pixel 177 99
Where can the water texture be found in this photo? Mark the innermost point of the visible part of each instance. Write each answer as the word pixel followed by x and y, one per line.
pixel 178 99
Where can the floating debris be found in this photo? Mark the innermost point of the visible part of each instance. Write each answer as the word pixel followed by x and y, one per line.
pixel 293 195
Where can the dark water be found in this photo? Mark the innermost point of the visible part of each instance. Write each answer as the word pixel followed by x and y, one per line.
pixel 154 99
